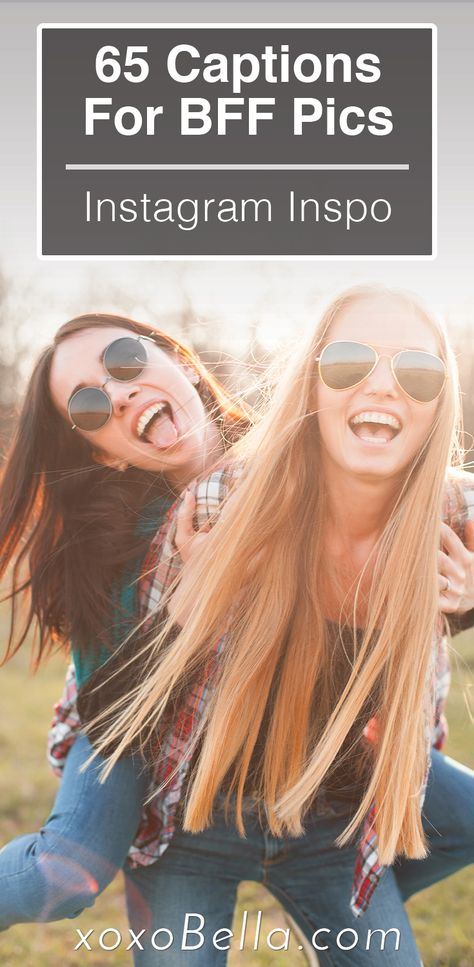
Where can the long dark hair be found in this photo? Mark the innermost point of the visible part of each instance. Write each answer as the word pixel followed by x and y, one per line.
pixel 67 524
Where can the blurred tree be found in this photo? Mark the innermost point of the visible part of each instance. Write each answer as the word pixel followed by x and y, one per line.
pixel 10 363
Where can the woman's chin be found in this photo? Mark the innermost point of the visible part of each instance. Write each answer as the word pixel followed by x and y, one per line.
pixel 369 458
pixel 375 454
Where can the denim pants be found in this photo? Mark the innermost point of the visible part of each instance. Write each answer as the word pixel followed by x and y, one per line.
pixel 59 871
pixel 187 900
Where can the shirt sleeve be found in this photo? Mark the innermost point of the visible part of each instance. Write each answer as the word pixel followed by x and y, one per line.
pixel 65 726
pixel 211 493
pixel 458 510
pixel 441 690
pixel 164 562
pixel 460 622
pixel 458 505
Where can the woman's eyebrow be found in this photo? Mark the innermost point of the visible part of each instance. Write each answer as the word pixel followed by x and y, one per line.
pixel 417 349
pixel 84 385
pixel 76 388
pixel 405 349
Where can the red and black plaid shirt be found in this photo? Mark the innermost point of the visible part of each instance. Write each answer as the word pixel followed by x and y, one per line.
pixel 177 743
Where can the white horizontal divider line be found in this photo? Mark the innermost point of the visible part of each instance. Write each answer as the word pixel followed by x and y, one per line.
pixel 235 167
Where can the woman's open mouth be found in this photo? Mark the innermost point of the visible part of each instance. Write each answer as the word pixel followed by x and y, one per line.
pixel 156 425
pixel 375 427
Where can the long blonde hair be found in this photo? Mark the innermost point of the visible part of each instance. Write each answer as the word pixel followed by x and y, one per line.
pixel 259 581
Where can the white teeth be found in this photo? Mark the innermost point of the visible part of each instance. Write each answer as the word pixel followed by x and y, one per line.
pixel 375 417
pixel 148 415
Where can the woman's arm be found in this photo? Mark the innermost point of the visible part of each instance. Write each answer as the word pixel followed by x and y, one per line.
pixel 456 572
pixel 456 557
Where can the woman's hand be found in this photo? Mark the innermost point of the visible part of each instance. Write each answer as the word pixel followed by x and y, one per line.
pixel 188 542
pixel 456 570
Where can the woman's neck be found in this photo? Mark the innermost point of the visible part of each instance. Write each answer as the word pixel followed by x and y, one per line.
pixel 359 509
pixel 357 512
pixel 211 449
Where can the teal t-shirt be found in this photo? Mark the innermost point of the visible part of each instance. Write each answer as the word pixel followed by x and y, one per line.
pixel 124 596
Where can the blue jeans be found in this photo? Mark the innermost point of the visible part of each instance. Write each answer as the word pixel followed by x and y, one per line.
pixel 188 900
pixel 189 895
pixel 58 872
pixel 448 821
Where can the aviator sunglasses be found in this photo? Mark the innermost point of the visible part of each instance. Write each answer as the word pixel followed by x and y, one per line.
pixel 343 365
pixel 90 407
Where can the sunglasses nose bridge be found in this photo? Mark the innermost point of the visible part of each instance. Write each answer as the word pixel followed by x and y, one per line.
pixel 120 392
pixel 382 374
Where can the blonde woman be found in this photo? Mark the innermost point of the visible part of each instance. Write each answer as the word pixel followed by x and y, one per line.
pixel 294 713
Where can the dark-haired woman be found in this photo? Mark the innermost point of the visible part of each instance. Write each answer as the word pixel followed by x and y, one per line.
pixel 117 419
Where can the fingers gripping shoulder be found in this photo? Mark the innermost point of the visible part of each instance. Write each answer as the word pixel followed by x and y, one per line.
pixel 211 492
pixel 458 504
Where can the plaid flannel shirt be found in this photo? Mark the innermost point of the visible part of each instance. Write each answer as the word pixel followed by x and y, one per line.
pixel 176 742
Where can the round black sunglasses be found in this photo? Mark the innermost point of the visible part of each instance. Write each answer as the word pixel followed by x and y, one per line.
pixel 124 359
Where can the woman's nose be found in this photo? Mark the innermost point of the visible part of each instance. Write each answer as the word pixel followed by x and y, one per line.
pixel 381 380
pixel 121 394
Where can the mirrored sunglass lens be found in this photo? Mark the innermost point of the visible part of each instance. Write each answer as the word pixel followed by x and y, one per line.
pixel 125 358
pixel 90 408
pixel 420 375
pixel 343 364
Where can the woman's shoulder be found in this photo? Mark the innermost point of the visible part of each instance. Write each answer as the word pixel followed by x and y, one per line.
pixel 217 484
pixel 458 506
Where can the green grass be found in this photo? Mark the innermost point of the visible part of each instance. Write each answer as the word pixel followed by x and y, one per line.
pixel 442 916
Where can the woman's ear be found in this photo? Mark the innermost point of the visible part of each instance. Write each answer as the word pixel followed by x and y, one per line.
pixel 114 463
